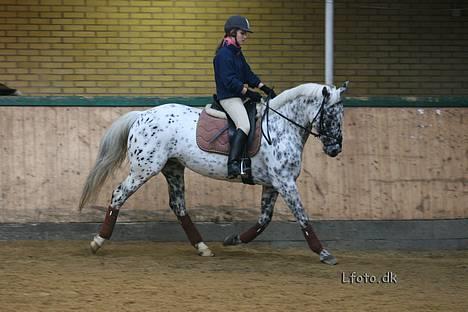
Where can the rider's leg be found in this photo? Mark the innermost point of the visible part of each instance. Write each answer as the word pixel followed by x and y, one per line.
pixel 234 107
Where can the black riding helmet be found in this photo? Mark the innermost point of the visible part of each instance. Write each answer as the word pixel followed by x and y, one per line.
pixel 237 22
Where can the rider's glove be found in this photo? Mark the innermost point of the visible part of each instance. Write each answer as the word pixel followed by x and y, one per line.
pixel 268 91
pixel 254 96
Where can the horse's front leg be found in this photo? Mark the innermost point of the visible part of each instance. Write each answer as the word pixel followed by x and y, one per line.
pixel 290 193
pixel 269 196
pixel 174 174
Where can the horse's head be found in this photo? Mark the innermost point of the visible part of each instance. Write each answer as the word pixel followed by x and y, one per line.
pixel 330 119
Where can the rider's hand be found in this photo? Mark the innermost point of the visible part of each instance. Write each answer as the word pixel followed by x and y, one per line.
pixel 268 91
pixel 254 96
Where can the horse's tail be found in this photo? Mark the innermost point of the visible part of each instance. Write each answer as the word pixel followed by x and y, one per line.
pixel 112 152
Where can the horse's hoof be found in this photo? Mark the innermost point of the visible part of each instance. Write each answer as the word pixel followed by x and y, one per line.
pixel 330 260
pixel 206 253
pixel 327 258
pixel 94 247
pixel 232 240
pixel 96 243
pixel 203 250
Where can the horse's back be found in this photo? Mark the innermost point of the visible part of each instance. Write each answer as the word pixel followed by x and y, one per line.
pixel 168 116
pixel 173 110
pixel 163 131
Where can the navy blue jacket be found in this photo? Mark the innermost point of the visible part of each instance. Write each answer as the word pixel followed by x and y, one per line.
pixel 232 72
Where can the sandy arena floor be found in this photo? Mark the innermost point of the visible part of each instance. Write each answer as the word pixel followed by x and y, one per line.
pixel 149 276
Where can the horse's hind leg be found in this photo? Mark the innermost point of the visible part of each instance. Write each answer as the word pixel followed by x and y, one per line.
pixel 269 196
pixel 174 174
pixel 129 186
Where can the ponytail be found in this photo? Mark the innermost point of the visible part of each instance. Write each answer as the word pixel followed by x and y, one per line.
pixel 232 33
pixel 220 45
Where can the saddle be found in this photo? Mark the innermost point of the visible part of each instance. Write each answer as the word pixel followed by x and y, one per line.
pixel 215 128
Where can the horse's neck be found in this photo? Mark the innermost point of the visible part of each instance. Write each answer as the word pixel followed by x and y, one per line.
pixel 297 110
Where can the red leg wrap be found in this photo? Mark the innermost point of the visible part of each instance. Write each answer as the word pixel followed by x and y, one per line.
pixel 190 230
pixel 312 239
pixel 109 221
pixel 252 233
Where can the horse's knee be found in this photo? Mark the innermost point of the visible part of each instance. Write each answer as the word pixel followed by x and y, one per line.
pixel 264 220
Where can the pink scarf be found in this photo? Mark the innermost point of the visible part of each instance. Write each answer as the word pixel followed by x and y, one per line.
pixel 230 41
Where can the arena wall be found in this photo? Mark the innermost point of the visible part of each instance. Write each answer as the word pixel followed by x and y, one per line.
pixel 397 164
pixel 403 170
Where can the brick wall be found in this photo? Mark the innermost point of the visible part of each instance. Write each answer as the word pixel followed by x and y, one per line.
pixel 403 47
pixel 165 48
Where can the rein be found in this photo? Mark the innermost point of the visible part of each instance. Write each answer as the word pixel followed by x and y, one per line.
pixel 309 131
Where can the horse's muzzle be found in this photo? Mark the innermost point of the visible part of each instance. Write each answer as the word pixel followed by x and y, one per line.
pixel 332 150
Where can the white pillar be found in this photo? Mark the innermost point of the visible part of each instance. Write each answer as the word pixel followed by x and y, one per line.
pixel 329 41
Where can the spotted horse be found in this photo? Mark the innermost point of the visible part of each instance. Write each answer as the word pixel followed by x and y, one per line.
pixel 163 139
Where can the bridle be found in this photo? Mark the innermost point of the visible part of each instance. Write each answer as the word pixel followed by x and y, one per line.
pixel 308 131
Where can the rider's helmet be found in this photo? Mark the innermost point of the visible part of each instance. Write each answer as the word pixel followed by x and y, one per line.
pixel 237 22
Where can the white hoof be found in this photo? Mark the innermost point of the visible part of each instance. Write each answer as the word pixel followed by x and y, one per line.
pixel 96 243
pixel 203 250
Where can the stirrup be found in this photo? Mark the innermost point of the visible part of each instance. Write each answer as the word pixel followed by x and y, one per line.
pixel 245 167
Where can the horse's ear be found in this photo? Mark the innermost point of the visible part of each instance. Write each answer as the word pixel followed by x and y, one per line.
pixel 325 92
pixel 344 87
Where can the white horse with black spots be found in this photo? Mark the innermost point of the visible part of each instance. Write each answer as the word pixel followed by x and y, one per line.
pixel 163 139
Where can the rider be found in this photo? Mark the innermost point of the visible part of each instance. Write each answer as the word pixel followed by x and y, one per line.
pixel 231 74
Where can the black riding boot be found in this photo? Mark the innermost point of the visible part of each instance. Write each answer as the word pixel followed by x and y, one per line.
pixel 235 153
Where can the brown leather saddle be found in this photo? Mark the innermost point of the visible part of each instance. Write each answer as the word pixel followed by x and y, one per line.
pixel 213 135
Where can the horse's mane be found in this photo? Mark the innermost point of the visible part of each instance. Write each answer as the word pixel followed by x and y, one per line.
pixel 307 90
